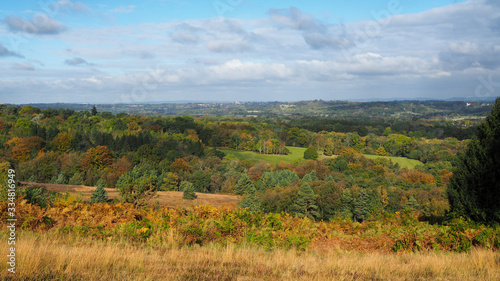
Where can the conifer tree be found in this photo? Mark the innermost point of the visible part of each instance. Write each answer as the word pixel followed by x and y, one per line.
pixel 99 195
pixel 244 183
pixel 474 190
pixel 189 191
pixel 347 201
pixel 310 177
pixel 94 111
pixel 362 206
pixel 250 200
pixel 412 204
pixel 305 206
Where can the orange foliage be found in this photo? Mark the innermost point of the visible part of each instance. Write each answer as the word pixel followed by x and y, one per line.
pixel 21 149
pixel 321 169
pixel 179 165
pixel 97 157
pixel 414 176
pixel 63 142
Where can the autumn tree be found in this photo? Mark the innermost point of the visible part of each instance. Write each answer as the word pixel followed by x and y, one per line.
pixel 97 157
pixel 22 149
pixel 474 190
pixel 62 142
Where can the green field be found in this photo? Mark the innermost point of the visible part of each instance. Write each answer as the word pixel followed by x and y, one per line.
pixel 297 154
pixel 402 161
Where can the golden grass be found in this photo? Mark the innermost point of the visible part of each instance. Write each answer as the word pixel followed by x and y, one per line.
pixel 58 257
pixel 171 199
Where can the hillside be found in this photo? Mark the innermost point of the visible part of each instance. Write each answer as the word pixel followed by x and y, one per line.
pixel 172 199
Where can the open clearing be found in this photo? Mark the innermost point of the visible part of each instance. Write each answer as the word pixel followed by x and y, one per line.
pixel 297 155
pixel 171 199
pixel 402 161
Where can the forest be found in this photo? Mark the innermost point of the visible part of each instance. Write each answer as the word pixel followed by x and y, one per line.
pixel 343 175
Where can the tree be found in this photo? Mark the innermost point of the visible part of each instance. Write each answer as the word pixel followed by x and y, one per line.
pixel 412 204
pixel 99 194
pixel 311 153
pixel 250 200
pixel 362 206
pixel 137 186
pixel 189 192
pixel 244 183
pixel 305 205
pixel 94 111
pixel 474 190
pixel 97 157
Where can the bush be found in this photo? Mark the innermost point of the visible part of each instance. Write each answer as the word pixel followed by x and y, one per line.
pixel 311 153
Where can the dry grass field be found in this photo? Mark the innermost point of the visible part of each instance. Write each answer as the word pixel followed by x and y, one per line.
pixel 171 199
pixel 49 257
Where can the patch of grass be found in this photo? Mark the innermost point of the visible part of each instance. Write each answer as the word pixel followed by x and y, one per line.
pixel 402 161
pixel 296 154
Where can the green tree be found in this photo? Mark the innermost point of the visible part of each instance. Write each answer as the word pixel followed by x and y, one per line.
pixel 362 206
pixel 189 191
pixel 250 200
pixel 310 177
pixel 412 204
pixel 94 111
pixel 347 200
pixel 99 194
pixel 311 153
pixel 244 183
pixel 305 205
pixel 474 190
pixel 137 186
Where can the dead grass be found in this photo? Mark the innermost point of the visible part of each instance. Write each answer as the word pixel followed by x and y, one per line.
pixel 50 257
pixel 171 199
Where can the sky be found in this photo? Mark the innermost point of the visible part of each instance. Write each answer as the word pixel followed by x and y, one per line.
pixel 248 50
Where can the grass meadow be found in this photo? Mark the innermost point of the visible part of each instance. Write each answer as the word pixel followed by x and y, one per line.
pixel 63 257
pixel 297 154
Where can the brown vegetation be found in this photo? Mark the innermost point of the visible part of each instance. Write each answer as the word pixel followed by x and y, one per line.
pixel 46 257
pixel 171 199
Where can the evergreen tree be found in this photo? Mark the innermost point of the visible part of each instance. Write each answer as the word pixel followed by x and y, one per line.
pixel 189 191
pixel 305 205
pixel 347 201
pixel 99 194
pixel 244 183
pixel 94 111
pixel 329 178
pixel 474 190
pixel 362 206
pixel 311 153
pixel 412 204
pixel 310 177
pixel 250 200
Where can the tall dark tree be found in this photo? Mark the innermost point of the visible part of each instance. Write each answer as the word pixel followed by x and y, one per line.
pixel 94 111
pixel 305 206
pixel 250 200
pixel 474 190
pixel 244 183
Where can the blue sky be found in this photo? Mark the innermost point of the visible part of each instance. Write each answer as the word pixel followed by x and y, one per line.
pixel 247 50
